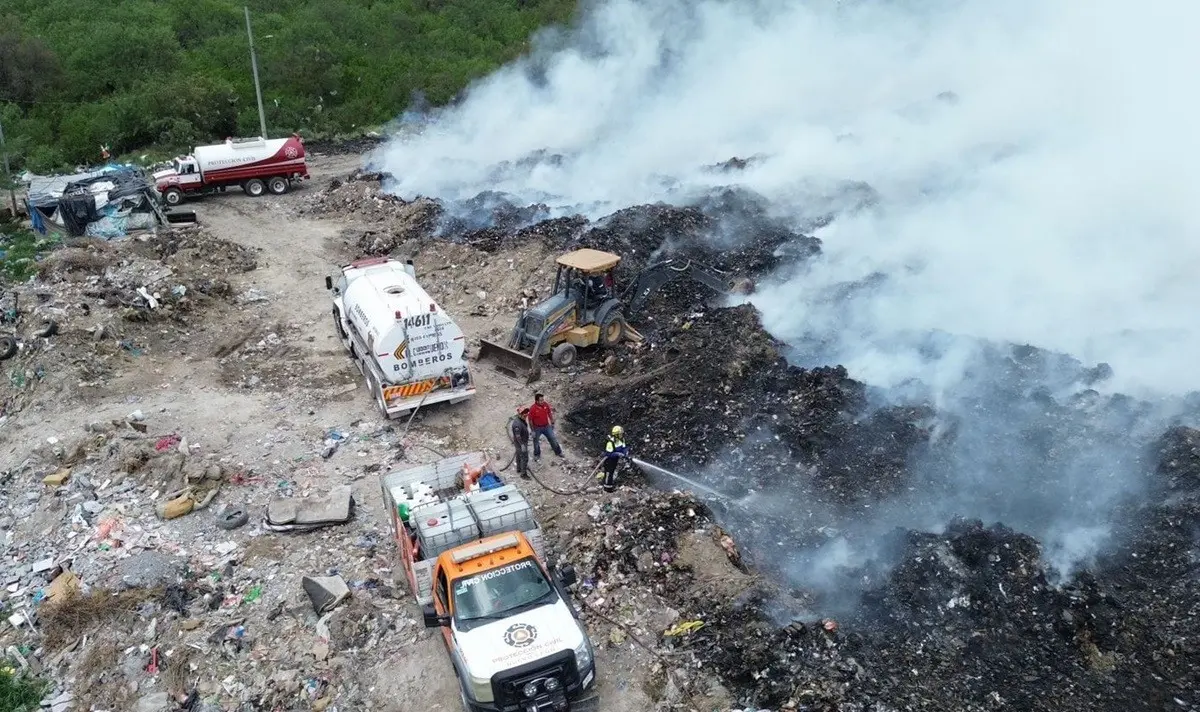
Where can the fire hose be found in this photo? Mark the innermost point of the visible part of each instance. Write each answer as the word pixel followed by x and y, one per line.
pixel 581 490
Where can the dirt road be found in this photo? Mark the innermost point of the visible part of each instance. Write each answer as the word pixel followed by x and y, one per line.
pixel 257 388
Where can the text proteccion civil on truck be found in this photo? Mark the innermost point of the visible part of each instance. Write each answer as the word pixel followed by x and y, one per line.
pixel 409 350
pixel 257 165
pixel 474 557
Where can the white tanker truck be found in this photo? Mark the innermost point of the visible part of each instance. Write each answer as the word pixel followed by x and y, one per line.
pixel 408 349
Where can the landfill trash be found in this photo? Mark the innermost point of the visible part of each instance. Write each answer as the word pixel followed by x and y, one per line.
pixel 325 592
pixel 332 440
pixel 151 299
pixel 684 628
pixel 287 514
pixel 253 296
pixel 58 478
pixel 177 507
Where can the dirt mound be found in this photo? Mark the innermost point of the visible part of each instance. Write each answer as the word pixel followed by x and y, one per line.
pixel 717 382
pixel 113 301
pixel 359 196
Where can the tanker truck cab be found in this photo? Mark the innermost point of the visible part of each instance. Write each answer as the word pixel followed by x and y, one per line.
pixel 408 349
pixel 514 639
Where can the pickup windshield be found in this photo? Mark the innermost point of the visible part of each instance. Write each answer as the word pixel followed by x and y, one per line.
pixel 493 594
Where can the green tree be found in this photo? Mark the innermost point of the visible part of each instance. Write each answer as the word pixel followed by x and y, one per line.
pixel 168 74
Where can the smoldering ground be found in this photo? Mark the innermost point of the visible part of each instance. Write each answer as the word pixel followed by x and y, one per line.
pixel 1028 181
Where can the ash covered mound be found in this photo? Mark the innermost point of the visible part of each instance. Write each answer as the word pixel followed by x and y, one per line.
pixel 968 620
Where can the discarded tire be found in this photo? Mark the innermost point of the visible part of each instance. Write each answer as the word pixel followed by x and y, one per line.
pixel 8 347
pixel 232 518
pixel 49 328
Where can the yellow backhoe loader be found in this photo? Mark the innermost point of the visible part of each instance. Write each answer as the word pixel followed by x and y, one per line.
pixel 585 309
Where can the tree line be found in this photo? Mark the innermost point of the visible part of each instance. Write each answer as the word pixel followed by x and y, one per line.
pixel 169 74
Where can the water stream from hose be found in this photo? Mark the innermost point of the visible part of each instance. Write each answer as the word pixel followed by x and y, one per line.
pixel 647 467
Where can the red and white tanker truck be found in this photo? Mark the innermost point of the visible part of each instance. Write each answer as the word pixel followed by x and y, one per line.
pixel 257 165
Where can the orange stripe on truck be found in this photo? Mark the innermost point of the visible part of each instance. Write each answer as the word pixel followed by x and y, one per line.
pixel 408 390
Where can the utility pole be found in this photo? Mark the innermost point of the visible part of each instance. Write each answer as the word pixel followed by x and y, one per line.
pixel 12 195
pixel 262 118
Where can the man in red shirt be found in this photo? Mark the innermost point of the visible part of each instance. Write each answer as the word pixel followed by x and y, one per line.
pixel 541 421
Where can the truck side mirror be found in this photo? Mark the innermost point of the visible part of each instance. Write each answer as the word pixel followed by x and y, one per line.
pixel 432 619
pixel 328 282
pixel 566 575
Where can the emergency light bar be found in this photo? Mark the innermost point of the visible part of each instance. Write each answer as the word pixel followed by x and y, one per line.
pixel 484 548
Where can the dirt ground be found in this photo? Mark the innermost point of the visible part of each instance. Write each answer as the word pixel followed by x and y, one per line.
pixel 254 382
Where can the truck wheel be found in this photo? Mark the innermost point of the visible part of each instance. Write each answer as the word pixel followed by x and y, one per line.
pixel 277 185
pixel 563 355
pixel 254 187
pixel 8 347
pixel 337 320
pixel 173 196
pixel 377 395
pixel 612 328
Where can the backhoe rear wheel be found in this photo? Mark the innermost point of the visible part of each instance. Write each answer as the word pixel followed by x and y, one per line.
pixel 612 329
pixel 563 355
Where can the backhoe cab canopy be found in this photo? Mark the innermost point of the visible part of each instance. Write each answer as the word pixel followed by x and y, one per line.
pixel 589 261
pixel 585 272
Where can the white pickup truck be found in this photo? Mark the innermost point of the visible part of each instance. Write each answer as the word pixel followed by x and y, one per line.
pixel 473 554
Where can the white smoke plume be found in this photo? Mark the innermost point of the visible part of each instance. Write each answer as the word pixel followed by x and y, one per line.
pixel 1033 164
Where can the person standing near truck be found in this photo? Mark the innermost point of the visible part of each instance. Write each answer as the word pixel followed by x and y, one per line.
pixel 518 434
pixel 541 420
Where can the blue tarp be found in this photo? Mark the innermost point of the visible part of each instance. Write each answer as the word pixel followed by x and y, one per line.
pixel 35 219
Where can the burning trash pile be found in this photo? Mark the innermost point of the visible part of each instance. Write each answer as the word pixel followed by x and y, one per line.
pixel 729 229
pixel 716 383
pixel 976 616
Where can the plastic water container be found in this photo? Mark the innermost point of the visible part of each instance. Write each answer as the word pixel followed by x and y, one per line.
pixel 443 525
pixel 502 509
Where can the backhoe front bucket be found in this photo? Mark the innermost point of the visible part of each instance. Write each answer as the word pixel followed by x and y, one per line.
pixel 508 361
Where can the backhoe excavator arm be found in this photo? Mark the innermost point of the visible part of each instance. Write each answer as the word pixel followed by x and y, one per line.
pixel 659 275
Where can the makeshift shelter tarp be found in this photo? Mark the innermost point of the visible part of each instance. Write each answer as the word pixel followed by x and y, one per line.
pixel 104 203
pixel 45 191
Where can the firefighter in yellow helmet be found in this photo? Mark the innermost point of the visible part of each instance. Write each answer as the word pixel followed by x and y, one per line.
pixel 614 452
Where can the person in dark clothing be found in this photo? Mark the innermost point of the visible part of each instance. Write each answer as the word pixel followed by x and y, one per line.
pixel 518 434
pixel 614 452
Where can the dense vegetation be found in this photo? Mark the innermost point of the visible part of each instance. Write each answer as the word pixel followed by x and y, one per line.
pixel 79 74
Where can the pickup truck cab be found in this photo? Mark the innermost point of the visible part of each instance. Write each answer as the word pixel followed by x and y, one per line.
pixel 514 638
